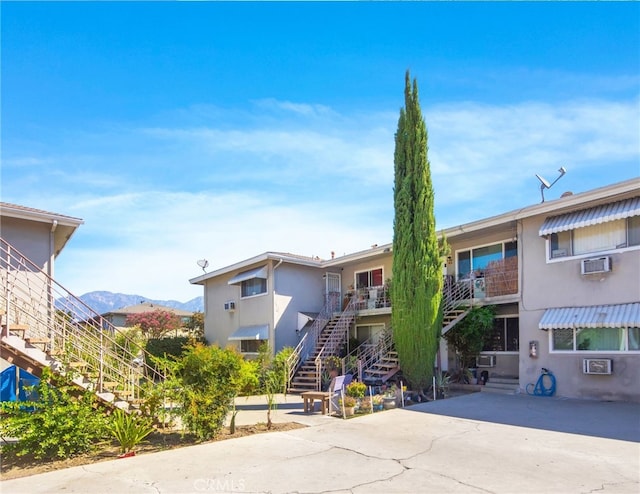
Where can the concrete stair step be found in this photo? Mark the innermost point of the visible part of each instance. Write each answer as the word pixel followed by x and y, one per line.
pixel 504 391
pixel 503 380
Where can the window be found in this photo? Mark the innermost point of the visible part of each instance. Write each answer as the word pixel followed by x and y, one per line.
pixel 254 286
pixel 373 277
pixel 505 336
pixel 595 339
pixel 610 235
pixel 478 259
pixel 250 346
pixel 367 332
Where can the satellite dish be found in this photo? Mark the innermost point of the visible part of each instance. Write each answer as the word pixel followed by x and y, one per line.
pixel 544 184
pixel 203 263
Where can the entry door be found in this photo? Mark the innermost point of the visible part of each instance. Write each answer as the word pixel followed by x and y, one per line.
pixel 333 289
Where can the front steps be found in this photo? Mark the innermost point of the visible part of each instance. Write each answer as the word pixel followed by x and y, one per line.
pixel 24 354
pixel 306 378
pixel 383 370
pixel 502 385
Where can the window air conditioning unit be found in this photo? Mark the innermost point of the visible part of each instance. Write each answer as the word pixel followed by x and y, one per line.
pixel 596 265
pixel 486 361
pixel 602 366
pixel 230 306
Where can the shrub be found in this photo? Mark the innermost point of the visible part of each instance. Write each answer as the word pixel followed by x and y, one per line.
pixel 356 389
pixel 129 429
pixel 348 401
pixel 206 378
pixel 58 425
pixel 171 347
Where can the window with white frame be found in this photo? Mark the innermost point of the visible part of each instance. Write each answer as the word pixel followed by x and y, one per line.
pixel 611 235
pixel 254 286
pixel 367 332
pixel 505 336
pixel 595 339
pixel 478 258
pixel 250 346
pixel 372 277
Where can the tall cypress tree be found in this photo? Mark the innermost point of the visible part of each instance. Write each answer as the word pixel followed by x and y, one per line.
pixel 417 273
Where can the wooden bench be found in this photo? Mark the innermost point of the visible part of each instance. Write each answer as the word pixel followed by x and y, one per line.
pixel 310 396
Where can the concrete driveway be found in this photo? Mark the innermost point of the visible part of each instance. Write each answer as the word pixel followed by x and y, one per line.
pixel 534 445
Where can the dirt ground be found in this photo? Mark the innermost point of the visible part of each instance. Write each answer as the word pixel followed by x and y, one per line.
pixel 157 441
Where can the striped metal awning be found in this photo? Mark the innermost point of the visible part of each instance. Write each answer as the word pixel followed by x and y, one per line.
pixel 597 316
pixel 249 275
pixel 592 216
pixel 260 332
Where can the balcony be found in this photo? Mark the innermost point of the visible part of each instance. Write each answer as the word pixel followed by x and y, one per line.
pixel 499 278
pixel 369 298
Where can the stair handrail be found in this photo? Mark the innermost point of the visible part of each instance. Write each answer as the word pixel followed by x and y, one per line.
pixel 69 323
pixel 337 338
pixel 309 340
pixel 456 293
pixel 375 353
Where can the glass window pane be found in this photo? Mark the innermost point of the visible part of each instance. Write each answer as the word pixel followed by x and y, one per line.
pixel 376 277
pixel 633 231
pixel 484 255
pixel 255 286
pixel 560 244
pixel 600 339
pixel 495 341
pixel 510 249
pixel 362 279
pixel 513 334
pixel 595 238
pixel 562 339
pixel 634 338
pixel 464 264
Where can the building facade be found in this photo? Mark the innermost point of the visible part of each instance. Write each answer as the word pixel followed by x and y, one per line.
pixel 563 275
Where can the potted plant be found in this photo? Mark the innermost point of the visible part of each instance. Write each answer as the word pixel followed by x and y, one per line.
pixel 333 363
pixel 389 398
pixel 349 405
pixel 356 389
pixel 377 402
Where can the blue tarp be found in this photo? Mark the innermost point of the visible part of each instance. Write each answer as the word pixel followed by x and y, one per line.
pixel 12 380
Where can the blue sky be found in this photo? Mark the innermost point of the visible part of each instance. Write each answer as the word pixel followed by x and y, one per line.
pixel 182 131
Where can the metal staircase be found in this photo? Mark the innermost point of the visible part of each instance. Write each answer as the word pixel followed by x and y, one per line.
pixel 329 341
pixel 44 325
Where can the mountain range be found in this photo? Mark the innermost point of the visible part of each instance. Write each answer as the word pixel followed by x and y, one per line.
pixel 103 302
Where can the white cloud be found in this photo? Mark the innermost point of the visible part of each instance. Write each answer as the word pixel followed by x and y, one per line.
pixel 158 197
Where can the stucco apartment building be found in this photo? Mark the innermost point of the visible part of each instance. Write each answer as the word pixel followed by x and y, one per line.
pixel 564 276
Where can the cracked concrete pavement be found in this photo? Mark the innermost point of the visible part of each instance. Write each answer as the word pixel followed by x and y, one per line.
pixel 432 447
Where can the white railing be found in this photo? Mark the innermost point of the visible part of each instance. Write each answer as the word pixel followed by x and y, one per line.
pixel 74 333
pixel 366 355
pixel 372 297
pixel 309 341
pixel 337 339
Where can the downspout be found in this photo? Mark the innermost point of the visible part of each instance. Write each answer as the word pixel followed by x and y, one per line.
pixel 52 253
pixel 273 321
pixel 52 247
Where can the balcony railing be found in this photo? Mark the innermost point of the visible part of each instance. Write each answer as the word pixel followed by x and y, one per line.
pixel 372 297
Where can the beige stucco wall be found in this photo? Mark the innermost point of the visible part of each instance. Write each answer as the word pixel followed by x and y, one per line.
pixel 33 239
pixel 290 289
pixel 560 284
pixel 384 261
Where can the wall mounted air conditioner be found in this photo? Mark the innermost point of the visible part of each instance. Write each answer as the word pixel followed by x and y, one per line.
pixel 595 265
pixel 486 361
pixel 230 306
pixel 602 366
